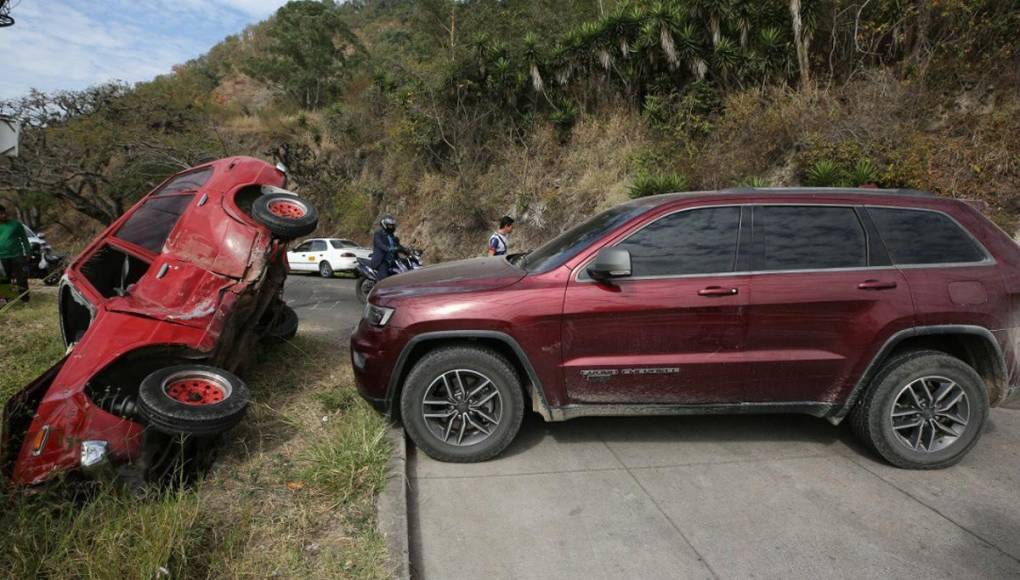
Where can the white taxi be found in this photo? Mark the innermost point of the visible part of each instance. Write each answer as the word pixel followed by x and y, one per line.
pixel 326 256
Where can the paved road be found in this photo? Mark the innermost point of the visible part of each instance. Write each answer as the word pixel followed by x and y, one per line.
pixel 701 497
pixel 325 306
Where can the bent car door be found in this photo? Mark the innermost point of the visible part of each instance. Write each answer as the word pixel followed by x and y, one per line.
pixel 824 297
pixel 673 331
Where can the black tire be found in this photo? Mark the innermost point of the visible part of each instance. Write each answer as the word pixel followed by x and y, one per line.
pixel 325 270
pixel 872 421
pixel 170 415
pixel 363 287
pixel 286 216
pixel 285 326
pixel 466 359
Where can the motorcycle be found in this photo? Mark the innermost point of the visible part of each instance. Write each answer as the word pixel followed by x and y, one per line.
pixel 44 262
pixel 367 276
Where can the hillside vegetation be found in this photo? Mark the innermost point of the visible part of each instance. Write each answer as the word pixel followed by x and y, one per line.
pixel 449 113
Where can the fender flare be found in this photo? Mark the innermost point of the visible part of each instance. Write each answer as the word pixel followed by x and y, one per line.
pixel 896 339
pixel 393 388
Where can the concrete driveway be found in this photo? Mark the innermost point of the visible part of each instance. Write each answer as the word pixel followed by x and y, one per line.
pixel 715 497
pixel 700 497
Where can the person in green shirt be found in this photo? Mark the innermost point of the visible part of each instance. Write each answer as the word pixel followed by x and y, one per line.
pixel 14 252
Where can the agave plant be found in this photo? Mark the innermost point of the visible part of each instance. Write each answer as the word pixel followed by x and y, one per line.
pixel 824 173
pixel 646 184
pixel 754 181
pixel 864 172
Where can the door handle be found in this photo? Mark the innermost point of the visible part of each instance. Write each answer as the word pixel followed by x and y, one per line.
pixel 876 285
pixel 717 291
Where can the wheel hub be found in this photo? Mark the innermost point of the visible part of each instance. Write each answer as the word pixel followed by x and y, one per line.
pixel 195 391
pixel 930 414
pixel 462 407
pixel 286 209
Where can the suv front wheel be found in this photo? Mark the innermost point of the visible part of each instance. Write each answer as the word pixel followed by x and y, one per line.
pixel 462 404
pixel 924 410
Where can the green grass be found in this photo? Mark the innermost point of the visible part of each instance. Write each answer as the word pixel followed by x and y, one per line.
pixel 291 495
pixel 29 342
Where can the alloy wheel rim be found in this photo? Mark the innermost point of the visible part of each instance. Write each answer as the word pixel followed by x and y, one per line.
pixel 287 208
pixel 462 407
pixel 930 414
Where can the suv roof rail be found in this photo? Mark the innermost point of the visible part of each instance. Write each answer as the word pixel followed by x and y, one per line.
pixel 853 190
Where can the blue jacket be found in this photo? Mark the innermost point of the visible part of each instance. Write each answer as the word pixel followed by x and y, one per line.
pixel 384 250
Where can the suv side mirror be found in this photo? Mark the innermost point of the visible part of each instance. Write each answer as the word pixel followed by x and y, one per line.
pixel 610 263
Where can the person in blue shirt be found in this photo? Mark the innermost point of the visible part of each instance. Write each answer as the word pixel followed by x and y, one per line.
pixel 385 245
pixel 498 242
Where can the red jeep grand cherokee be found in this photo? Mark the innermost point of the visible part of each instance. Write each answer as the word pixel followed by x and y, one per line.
pixel 894 308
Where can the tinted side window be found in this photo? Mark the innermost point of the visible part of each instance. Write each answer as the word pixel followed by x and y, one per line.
pixel 924 237
pixel 186 181
pixel 152 223
pixel 305 247
pixel 699 241
pixel 811 237
pixel 318 246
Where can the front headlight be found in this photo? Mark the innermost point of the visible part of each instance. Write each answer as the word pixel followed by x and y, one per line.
pixel 377 315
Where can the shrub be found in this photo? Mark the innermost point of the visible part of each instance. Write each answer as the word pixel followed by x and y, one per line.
pixel 754 181
pixel 863 172
pixel 646 184
pixel 825 173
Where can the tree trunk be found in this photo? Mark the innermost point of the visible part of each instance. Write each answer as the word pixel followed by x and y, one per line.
pixel 920 40
pixel 801 44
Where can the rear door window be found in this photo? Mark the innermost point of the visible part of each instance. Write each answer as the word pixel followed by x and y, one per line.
pixel 810 238
pixel 190 181
pixel 698 241
pixel 318 246
pixel 924 237
pixel 150 225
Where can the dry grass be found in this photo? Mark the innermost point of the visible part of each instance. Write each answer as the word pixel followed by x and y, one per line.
pixel 291 495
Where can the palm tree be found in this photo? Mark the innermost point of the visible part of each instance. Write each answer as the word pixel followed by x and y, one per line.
pixel 533 57
pixel 662 20
pixel 717 12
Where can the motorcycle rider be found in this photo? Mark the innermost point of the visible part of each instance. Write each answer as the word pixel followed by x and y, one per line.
pixel 385 245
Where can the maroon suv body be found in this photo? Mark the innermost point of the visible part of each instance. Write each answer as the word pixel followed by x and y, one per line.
pixel 884 304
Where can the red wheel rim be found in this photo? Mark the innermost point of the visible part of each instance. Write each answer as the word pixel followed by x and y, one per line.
pixel 286 208
pixel 195 391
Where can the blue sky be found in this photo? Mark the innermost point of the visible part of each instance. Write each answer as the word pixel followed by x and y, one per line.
pixel 65 44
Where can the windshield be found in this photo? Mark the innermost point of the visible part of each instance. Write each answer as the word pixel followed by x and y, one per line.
pixel 558 250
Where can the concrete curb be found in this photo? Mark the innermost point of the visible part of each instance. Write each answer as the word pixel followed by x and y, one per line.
pixel 391 507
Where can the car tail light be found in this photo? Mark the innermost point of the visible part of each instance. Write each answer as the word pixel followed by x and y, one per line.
pixel 347 255
pixel 39 441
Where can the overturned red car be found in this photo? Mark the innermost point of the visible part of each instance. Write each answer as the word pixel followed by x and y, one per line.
pixel 158 313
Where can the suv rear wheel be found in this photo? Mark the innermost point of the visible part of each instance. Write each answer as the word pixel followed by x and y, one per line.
pixel 924 410
pixel 462 404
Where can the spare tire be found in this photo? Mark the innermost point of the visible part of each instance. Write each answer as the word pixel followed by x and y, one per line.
pixel 192 399
pixel 285 326
pixel 286 216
